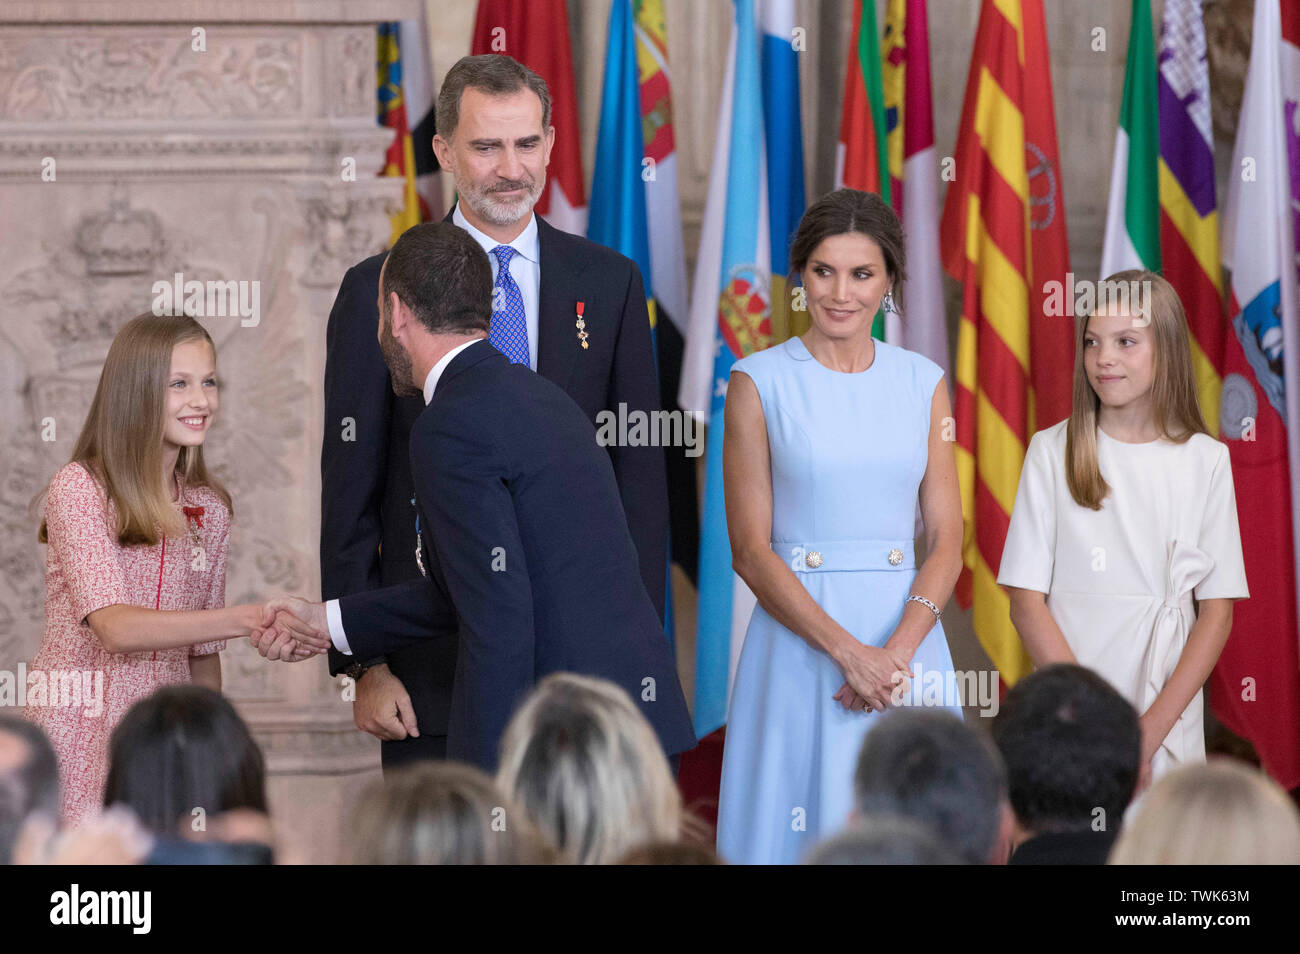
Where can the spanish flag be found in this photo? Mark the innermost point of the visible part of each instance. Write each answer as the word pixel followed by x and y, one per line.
pixel 1003 238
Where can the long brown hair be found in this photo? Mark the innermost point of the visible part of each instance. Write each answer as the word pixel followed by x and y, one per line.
pixel 1175 406
pixel 121 442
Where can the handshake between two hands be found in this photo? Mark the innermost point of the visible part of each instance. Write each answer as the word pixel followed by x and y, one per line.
pixel 291 630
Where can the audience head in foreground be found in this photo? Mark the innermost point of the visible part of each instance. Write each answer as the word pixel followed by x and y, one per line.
pixel 181 749
pixel 442 813
pixel 884 840
pixel 586 768
pixel 1217 813
pixel 928 765
pixel 1072 745
pixel 29 781
pixel 671 853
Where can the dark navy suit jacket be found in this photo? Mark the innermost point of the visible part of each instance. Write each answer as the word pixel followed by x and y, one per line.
pixel 528 545
pixel 367 522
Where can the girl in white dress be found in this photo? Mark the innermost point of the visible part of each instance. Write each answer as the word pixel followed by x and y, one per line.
pixel 1123 552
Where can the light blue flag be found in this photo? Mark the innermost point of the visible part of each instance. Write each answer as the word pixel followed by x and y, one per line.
pixel 732 294
pixel 784 130
pixel 617 218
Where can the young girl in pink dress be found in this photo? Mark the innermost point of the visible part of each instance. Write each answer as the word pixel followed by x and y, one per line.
pixel 135 573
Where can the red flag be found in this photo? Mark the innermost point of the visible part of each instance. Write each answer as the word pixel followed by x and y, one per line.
pixel 536 33
pixel 1051 340
pixel 1255 687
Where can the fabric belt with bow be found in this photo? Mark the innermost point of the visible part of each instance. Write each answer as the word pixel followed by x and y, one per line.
pixel 1186 566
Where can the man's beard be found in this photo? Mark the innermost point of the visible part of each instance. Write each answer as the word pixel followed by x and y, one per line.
pixel 488 207
pixel 398 361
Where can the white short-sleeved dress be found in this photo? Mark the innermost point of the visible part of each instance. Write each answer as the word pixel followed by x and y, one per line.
pixel 1120 580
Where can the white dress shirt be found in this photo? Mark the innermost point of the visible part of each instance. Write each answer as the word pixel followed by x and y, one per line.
pixel 333 614
pixel 431 382
pixel 525 269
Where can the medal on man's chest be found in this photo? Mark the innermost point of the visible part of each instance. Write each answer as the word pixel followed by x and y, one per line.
pixel 419 542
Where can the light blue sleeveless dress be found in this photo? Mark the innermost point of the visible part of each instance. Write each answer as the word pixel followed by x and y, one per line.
pixel 848 453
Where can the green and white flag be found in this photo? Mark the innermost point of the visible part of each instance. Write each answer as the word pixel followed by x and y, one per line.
pixel 1133 212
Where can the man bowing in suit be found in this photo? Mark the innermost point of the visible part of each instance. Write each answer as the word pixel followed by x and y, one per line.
pixel 572 310
pixel 527 544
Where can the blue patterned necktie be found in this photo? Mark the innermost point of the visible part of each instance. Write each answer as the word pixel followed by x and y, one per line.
pixel 509 333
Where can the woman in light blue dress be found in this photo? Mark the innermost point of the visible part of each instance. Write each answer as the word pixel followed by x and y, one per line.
pixel 830 440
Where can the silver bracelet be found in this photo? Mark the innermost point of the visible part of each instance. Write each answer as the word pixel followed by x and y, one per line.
pixel 924 602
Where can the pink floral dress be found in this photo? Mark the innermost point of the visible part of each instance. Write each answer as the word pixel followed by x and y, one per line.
pixel 87 569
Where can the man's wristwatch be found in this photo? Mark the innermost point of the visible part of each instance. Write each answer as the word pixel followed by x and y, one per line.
pixel 356 670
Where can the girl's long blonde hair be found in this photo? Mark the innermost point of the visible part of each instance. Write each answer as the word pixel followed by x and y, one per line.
pixel 121 442
pixel 1175 406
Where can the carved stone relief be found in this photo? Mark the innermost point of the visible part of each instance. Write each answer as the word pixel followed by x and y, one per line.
pixel 149 73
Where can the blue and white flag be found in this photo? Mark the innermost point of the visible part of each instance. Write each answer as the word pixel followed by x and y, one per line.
pixel 730 318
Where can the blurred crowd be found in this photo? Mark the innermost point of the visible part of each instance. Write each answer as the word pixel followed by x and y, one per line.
pixel 582 780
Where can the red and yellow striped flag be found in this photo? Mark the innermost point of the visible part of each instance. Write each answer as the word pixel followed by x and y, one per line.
pixel 1003 237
